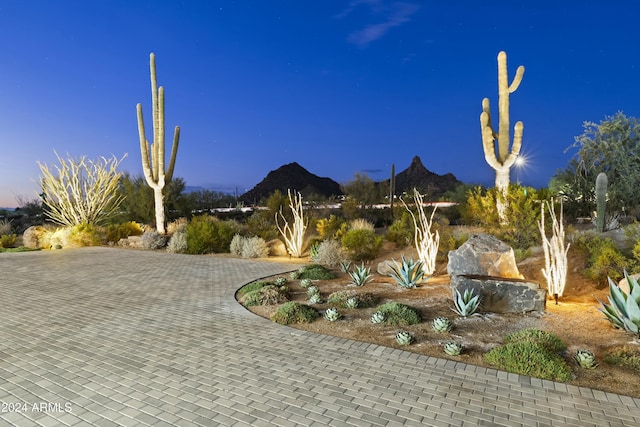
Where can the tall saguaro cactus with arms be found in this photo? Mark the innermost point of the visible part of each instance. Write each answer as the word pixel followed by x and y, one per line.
pixel 153 155
pixel 504 155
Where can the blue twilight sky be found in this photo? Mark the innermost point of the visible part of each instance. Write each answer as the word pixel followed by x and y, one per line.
pixel 337 86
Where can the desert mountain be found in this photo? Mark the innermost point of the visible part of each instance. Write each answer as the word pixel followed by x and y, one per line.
pixel 291 177
pixel 427 182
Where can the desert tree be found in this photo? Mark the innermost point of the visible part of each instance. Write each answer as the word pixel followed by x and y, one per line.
pixel 293 233
pixel 426 241
pixel 153 155
pixel 81 191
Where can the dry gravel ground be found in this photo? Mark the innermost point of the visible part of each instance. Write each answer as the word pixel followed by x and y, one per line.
pixel 575 319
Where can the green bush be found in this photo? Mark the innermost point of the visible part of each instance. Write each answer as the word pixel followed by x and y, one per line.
pixel 331 228
pixel 315 272
pixel 206 234
pixel 266 295
pixel 86 235
pixel 546 339
pixel 397 314
pixel 626 356
pixel 365 299
pixel 529 358
pixel 361 244
pixel 294 312
pixel 604 258
pixel 115 232
pixel 253 286
pixel 401 231
pixel 8 240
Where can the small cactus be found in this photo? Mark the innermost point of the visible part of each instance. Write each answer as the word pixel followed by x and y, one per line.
pixel 312 290
pixel 280 281
pixel 453 348
pixel 441 324
pixel 305 283
pixel 378 317
pixel 331 314
pixel 404 338
pixel 315 299
pixel 586 359
pixel 352 302
pixel 295 275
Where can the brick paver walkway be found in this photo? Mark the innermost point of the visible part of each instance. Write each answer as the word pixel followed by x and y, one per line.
pixel 106 337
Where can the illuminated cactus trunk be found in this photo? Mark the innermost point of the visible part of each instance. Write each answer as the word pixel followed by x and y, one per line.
pixel 505 157
pixel 153 162
pixel 601 200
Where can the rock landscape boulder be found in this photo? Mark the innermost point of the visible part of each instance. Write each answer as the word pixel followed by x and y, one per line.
pixel 488 267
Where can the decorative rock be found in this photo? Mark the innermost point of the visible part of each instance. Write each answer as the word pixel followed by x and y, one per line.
pixel 483 255
pixel 503 295
pixel 384 268
pixel 624 285
pixel 36 237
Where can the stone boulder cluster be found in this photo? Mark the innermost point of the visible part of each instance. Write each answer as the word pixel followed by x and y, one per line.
pixel 488 267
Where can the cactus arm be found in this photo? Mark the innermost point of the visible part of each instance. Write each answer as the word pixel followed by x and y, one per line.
pixel 517 79
pixel 174 152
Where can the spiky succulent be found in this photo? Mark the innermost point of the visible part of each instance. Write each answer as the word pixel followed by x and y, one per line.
pixel 623 310
pixel 467 303
pixel 441 324
pixel 408 273
pixel 345 266
pixel 312 290
pixel 331 314
pixel 295 274
pixel 315 299
pixel 352 302
pixel 453 348
pixel 378 317
pixel 360 275
pixel 305 283
pixel 404 338
pixel 280 281
pixel 586 359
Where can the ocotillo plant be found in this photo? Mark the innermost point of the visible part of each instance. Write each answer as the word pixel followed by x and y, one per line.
pixel 502 160
pixel 601 201
pixel 153 162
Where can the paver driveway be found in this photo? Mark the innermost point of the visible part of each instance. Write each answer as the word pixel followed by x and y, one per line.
pixel 102 336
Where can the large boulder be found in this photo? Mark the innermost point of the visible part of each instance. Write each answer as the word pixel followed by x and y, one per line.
pixel 502 295
pixel 483 255
pixel 37 237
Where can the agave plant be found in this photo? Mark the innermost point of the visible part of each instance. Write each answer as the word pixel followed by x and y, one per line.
pixel 360 275
pixel 623 310
pixel 311 290
pixel 453 348
pixel 352 302
pixel 280 281
pixel 305 283
pixel 441 324
pixel 404 338
pixel 295 274
pixel 467 303
pixel 408 273
pixel 331 314
pixel 315 298
pixel 345 266
pixel 378 317
pixel 586 359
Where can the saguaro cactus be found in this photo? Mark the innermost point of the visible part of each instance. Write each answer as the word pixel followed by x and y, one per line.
pixel 153 155
pixel 505 157
pixel 601 201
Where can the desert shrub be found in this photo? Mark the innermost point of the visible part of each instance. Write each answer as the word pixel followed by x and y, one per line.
pixel 626 356
pixel 249 247
pixel 529 358
pixel 315 272
pixel 261 224
pixel 177 243
pixel 401 231
pixel 329 252
pixel 206 234
pixel 253 286
pixel 294 312
pixel 86 235
pixel 331 228
pixel 115 232
pixel 397 314
pixel 546 339
pixel 360 224
pixel 604 258
pixel 8 240
pixel 178 225
pixel 450 242
pixel 361 244
pixel 365 299
pixel 153 240
pixel 5 227
pixel 266 295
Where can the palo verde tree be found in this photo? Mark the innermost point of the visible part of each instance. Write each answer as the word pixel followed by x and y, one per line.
pixel 153 155
pixel 503 155
pixel 611 146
